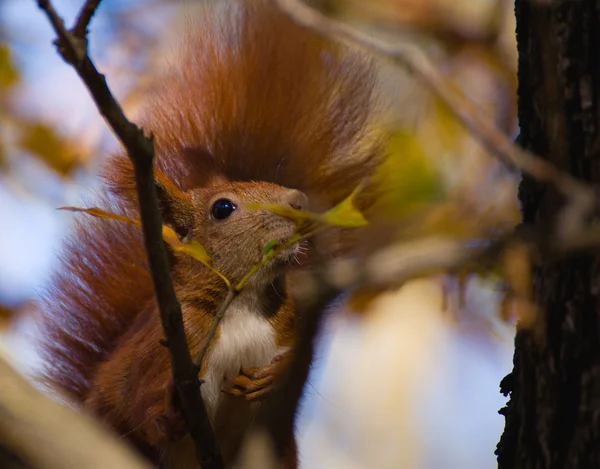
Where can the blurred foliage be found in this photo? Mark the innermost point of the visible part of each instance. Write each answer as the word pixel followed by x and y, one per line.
pixel 43 141
pixel 407 179
pixel 32 136
pixel 436 180
pixel 9 75
pixel 123 46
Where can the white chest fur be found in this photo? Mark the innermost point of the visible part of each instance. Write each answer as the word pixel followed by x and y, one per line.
pixel 246 339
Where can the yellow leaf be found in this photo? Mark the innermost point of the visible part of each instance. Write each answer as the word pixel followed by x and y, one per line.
pixel 9 75
pixel 345 214
pixel 192 248
pixel 406 178
pixel 44 142
pixel 99 213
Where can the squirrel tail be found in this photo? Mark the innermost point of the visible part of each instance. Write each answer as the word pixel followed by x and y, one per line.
pixel 102 283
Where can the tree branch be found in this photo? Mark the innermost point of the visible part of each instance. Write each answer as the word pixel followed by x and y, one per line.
pixel 140 150
pixel 388 267
pixel 48 435
pixel 395 264
pixel 85 16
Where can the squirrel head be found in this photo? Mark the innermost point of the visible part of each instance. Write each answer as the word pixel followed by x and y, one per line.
pixel 233 235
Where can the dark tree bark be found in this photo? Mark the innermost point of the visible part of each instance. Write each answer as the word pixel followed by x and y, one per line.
pixel 9 460
pixel 553 415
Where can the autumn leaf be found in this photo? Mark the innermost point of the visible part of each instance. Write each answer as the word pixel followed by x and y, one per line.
pixel 44 142
pixel 9 74
pixel 345 214
pixel 406 178
pixel 192 248
pixel 99 213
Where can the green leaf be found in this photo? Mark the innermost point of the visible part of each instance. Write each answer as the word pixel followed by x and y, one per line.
pixel 270 246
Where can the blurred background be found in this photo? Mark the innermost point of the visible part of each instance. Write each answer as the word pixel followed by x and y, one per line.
pixel 414 381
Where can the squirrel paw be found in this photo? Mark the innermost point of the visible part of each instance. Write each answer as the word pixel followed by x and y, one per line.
pixel 253 384
pixel 171 424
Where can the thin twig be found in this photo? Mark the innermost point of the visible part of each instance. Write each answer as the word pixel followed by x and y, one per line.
pixel 140 150
pixel 399 262
pixel 233 291
pixel 231 294
pixel 581 196
pixel 85 16
pixel 49 435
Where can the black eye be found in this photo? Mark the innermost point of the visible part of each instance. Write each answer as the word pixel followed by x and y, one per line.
pixel 222 208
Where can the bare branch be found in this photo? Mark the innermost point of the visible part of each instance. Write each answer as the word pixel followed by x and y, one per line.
pixel 140 150
pixel 85 16
pixel 397 263
pixel 47 435
pixel 581 197
pixel 393 265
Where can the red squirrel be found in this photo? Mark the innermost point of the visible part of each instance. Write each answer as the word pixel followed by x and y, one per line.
pixel 255 109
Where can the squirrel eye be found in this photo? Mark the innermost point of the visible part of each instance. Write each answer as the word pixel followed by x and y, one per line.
pixel 222 208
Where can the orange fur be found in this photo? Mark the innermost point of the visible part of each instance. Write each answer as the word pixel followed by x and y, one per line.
pixel 253 98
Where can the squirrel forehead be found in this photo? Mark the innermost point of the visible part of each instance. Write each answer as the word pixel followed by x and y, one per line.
pixel 258 191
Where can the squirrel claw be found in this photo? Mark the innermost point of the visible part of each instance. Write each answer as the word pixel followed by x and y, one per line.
pixel 250 395
pixel 253 384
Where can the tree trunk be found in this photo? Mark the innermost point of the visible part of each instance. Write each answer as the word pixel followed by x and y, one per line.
pixel 9 460
pixel 553 415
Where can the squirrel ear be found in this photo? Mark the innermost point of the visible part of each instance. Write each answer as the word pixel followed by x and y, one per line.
pixel 216 179
pixel 175 205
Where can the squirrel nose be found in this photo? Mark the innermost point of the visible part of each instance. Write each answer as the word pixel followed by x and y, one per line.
pixel 297 200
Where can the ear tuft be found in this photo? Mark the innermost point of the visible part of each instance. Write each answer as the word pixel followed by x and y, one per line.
pixel 175 205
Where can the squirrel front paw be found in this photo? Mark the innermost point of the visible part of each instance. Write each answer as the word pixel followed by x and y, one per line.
pixel 254 384
pixel 170 425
